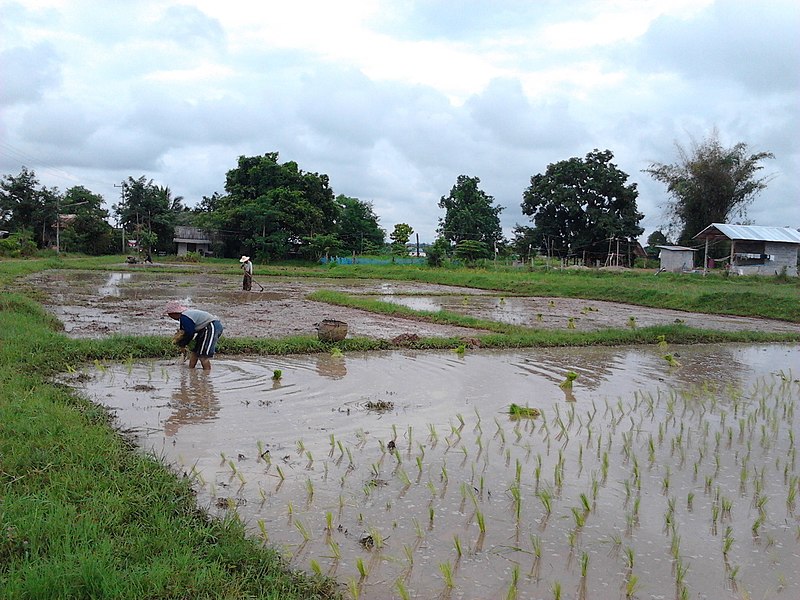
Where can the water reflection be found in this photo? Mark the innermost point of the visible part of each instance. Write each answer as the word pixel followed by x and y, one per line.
pixel 193 401
pixel 111 287
pixel 333 367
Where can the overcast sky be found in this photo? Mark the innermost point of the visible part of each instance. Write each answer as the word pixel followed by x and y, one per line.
pixel 395 99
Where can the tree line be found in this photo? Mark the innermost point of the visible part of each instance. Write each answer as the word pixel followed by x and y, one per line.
pixel 273 210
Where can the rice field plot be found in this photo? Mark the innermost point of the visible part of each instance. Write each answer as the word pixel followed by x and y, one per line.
pixel 410 476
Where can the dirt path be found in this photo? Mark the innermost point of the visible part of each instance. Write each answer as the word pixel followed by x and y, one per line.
pixel 98 303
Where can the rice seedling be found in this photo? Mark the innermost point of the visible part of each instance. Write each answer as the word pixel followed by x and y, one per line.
pixel 539 317
pixel 262 527
pixel 567 383
pixel 556 589
pixel 309 490
pixel 671 360
pixel 336 552
pixel 447 572
pixel 727 541
pixel 545 497
pixel 523 412
pixel 481 521
pixel 631 586
pixel 277 374
pixel 362 568
pixel 352 587
pixel 584 564
pixel 571 323
pixel 629 557
pixel 401 589
pixel 300 526
pixel 315 568
pixel 457 545
pixel 632 322
pixel 336 352
pixel 417 527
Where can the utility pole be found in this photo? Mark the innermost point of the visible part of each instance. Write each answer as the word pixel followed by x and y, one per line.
pixel 121 224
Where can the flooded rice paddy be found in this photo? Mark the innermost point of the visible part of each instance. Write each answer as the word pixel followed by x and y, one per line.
pixel 403 475
pixel 99 303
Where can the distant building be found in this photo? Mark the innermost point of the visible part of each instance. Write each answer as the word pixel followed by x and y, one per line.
pixel 756 250
pixel 192 239
pixel 676 259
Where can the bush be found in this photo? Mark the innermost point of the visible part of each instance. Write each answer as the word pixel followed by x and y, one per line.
pixel 189 257
pixel 17 245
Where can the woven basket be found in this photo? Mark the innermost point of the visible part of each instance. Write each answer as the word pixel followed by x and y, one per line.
pixel 331 330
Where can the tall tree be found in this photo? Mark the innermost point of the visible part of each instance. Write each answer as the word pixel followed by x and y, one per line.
pixel 26 205
pixel 470 214
pixel 88 230
pixel 578 204
pixel 400 236
pixel 146 207
pixel 271 208
pixel 359 230
pixel 709 184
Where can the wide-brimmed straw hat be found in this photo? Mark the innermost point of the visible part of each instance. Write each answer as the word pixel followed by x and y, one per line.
pixel 244 259
pixel 173 306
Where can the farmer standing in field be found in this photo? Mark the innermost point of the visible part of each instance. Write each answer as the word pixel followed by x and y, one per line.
pixel 247 267
pixel 199 325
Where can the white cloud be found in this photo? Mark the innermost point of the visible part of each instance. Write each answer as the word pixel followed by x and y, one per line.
pixel 395 100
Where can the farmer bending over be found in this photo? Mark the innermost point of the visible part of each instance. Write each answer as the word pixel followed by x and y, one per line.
pixel 204 327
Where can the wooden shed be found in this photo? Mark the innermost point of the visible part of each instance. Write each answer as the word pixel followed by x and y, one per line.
pixel 676 258
pixel 756 250
pixel 192 239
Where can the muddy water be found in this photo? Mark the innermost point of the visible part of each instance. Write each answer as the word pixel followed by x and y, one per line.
pixel 671 463
pixel 97 303
pixel 586 315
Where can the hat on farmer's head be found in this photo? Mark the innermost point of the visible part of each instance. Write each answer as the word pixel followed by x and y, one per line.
pixel 244 259
pixel 173 306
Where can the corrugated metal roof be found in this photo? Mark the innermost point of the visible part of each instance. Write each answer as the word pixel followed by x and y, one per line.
pixel 677 248
pixel 751 232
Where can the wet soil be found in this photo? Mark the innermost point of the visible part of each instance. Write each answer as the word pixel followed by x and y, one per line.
pixel 95 303
pixel 656 451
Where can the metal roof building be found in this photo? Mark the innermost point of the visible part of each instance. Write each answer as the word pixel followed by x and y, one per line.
pixel 755 249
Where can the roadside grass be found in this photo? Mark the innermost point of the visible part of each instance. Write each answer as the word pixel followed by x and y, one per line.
pixel 82 513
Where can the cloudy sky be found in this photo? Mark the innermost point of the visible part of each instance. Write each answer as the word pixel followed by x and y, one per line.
pixel 395 99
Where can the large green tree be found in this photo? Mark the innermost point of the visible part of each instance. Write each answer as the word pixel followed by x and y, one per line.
pixel 358 227
pixel 578 204
pixel 470 214
pixel 270 209
pixel 146 209
pixel 87 229
pixel 27 205
pixel 709 184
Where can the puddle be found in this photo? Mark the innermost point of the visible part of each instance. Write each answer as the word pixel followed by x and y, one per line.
pixel 586 315
pixel 684 471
